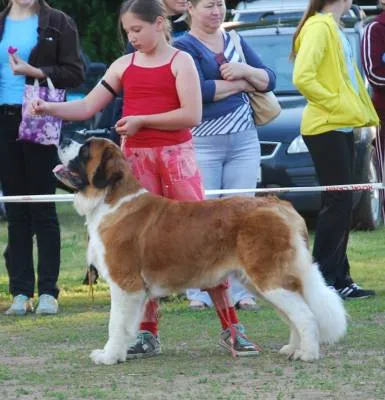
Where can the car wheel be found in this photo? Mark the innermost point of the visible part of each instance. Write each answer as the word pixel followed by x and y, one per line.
pixel 368 215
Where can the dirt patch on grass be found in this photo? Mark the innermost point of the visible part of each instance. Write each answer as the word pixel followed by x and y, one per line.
pixel 26 361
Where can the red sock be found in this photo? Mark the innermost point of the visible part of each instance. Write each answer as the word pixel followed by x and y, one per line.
pixel 227 317
pixel 150 318
pixel 233 315
pixel 149 326
pixel 223 306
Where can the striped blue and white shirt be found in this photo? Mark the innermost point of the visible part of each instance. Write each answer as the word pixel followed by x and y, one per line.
pixel 236 121
pixel 233 113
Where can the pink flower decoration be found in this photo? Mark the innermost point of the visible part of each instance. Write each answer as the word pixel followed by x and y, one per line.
pixel 12 50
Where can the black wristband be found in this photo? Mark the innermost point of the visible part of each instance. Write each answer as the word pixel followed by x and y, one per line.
pixel 108 87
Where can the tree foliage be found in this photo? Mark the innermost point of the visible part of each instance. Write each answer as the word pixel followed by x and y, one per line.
pixel 97 22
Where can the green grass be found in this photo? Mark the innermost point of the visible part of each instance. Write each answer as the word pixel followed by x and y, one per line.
pixel 47 357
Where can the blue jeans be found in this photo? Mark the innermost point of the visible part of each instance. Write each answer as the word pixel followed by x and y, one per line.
pixel 228 162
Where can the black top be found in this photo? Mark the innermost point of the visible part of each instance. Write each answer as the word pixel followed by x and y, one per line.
pixel 57 52
pixel 178 27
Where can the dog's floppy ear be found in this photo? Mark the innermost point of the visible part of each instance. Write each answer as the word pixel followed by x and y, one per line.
pixel 109 170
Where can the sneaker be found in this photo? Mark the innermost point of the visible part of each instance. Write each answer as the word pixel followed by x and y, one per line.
pixel 197 305
pixel 147 345
pixel 353 291
pixel 248 304
pixel 241 346
pixel 21 305
pixel 47 305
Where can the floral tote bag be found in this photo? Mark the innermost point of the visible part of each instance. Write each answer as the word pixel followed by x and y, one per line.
pixel 40 129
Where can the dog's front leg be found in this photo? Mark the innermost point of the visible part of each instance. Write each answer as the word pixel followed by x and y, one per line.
pixel 126 312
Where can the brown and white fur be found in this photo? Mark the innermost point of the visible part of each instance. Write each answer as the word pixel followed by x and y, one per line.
pixel 145 245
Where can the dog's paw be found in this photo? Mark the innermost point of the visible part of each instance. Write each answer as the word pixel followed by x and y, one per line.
pixel 307 356
pixel 287 350
pixel 100 356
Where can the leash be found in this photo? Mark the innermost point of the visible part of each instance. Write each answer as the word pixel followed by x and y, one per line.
pixel 91 286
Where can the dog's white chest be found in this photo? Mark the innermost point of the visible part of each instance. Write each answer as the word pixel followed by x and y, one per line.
pixel 96 250
pixel 96 256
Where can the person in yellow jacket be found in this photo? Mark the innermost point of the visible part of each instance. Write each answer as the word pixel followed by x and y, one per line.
pixel 326 74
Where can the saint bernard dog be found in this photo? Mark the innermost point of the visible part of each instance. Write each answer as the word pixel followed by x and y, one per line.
pixel 146 245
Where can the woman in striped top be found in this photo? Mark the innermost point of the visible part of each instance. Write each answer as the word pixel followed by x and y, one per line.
pixel 226 141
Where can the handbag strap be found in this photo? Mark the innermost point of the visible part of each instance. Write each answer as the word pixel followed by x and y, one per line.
pixel 49 83
pixel 234 37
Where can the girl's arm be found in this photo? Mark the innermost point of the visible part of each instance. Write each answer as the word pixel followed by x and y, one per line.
pixel 95 101
pixel 188 115
pixel 373 50
pixel 310 55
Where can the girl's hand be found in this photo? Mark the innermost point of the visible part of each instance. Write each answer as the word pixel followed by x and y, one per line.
pixel 39 107
pixel 19 66
pixel 128 126
pixel 233 71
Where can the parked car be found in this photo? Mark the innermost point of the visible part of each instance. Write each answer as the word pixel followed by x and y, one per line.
pixel 286 161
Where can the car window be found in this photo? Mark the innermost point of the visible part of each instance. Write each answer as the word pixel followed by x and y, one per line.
pixel 267 17
pixel 274 51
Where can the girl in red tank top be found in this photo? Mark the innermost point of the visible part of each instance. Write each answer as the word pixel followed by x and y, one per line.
pixel 147 91
pixel 162 101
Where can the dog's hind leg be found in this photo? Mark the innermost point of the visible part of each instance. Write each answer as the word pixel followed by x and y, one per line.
pixel 304 337
pixel 294 341
pixel 126 312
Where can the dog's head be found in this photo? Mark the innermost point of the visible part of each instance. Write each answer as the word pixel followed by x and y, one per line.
pixel 95 165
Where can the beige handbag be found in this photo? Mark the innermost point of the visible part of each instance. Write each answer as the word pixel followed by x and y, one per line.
pixel 265 105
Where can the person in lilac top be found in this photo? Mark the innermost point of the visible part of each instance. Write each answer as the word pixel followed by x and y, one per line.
pixel 226 142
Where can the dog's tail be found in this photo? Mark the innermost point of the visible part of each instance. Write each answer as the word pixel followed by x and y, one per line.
pixel 326 305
